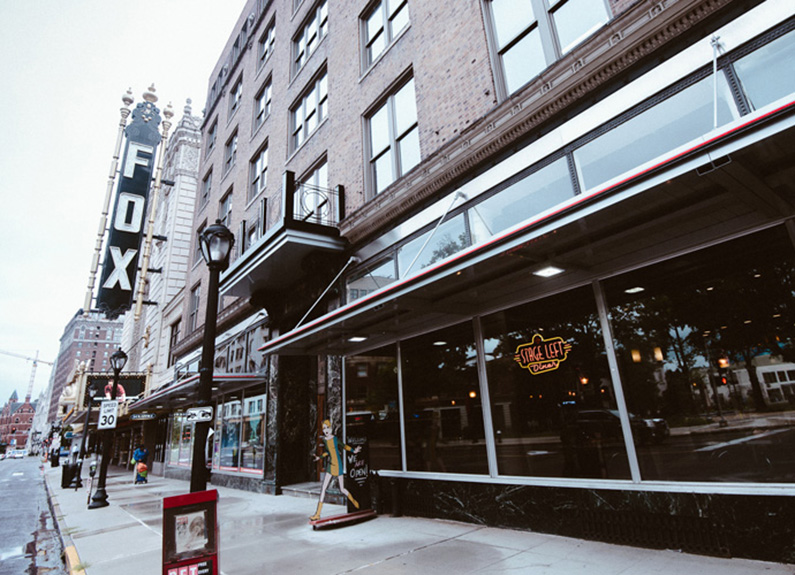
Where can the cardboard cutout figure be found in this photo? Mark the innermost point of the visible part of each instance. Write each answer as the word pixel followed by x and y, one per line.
pixel 333 457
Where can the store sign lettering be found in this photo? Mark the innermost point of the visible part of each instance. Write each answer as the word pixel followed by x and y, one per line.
pixel 542 355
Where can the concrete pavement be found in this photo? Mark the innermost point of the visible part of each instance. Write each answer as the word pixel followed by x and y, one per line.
pixel 263 534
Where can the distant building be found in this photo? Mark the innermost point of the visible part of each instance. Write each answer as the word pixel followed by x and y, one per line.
pixel 88 338
pixel 16 420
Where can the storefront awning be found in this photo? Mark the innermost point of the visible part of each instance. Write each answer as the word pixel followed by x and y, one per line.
pixel 183 393
pixel 710 190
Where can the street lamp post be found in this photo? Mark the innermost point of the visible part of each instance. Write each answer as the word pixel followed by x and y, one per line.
pixel 90 393
pixel 216 243
pixel 100 498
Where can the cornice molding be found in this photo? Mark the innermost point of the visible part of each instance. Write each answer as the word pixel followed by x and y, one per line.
pixel 628 39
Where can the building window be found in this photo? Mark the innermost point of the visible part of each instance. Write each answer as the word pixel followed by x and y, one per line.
pixel 207 184
pixel 381 25
pixel 193 313
pixel 267 42
pixel 235 96
pixel 225 209
pixel 197 252
pixel 310 35
pixel 394 138
pixel 230 152
pixel 530 35
pixel 258 173
pixel 262 104
pixel 173 339
pixel 310 111
pixel 212 135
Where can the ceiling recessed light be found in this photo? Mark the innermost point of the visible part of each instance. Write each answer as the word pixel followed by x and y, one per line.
pixel 548 271
pixel 636 289
pixel 440 343
pixel 356 339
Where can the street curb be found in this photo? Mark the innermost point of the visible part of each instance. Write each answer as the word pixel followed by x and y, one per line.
pixel 69 554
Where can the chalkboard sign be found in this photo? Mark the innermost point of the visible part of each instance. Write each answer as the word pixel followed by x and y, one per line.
pixel 357 473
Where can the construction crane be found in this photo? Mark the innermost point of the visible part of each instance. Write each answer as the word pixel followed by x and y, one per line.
pixel 35 361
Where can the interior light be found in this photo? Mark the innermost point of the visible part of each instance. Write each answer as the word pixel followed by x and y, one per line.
pixel 636 289
pixel 356 339
pixel 473 394
pixel 548 271
pixel 658 354
pixel 636 355
pixel 439 343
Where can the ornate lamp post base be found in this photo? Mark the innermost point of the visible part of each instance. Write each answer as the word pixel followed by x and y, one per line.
pixel 99 499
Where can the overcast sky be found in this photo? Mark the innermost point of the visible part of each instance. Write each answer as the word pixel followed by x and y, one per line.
pixel 64 66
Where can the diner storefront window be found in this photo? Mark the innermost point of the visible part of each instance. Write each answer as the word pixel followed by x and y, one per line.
pixel 371 404
pixel 443 413
pixel 552 400
pixel 696 338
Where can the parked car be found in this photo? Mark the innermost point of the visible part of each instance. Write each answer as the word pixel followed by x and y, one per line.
pixel 606 423
pixel 19 453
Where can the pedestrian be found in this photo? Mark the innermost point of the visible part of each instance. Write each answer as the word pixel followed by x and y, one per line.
pixel 332 456
pixel 139 461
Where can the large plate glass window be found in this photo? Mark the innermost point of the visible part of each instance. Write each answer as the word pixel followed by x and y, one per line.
pixel 553 401
pixel 373 277
pixel 442 404
pixel 371 405
pixel 706 350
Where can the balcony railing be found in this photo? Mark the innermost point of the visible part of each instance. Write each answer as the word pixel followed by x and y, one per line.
pixel 312 204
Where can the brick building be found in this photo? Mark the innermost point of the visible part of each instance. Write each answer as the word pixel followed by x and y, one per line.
pixel 538 254
pixel 89 338
pixel 16 419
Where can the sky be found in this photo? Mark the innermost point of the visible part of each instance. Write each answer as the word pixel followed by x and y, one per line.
pixel 64 66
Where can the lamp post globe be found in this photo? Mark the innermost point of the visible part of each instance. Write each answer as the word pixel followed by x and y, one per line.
pixel 216 244
pixel 100 497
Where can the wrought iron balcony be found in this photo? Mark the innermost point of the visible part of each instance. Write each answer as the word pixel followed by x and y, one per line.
pixel 276 260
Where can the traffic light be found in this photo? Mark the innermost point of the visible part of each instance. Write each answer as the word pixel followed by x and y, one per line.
pixel 723 379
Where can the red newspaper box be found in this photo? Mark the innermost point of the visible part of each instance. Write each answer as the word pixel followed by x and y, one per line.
pixel 190 534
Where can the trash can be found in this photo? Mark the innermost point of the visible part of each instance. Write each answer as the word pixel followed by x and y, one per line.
pixel 54 456
pixel 67 474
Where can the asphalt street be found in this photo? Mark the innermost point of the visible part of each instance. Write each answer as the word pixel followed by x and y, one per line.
pixel 29 541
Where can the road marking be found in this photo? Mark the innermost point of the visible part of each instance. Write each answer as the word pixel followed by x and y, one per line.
pixel 17 474
pixel 8 554
pixel 741 440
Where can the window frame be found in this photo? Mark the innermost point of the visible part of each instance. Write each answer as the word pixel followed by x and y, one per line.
pixel 306 41
pixel 261 113
pixel 258 175
pixel 194 307
pixel 394 137
pixel 230 152
pixel 386 29
pixel 235 97
pixel 266 43
pixel 299 134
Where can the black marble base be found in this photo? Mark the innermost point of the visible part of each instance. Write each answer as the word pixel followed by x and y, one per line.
pixel 753 527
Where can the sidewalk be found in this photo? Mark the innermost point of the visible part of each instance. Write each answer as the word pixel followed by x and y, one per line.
pixel 263 534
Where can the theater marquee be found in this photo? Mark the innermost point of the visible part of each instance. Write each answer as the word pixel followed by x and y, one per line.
pixel 542 355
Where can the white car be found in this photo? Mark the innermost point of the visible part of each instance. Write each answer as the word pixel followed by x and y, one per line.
pixel 19 453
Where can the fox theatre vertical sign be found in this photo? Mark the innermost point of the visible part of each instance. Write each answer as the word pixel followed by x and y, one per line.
pixel 129 212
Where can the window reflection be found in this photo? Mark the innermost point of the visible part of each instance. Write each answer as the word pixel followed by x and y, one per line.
pixel 662 128
pixel 761 71
pixel 449 238
pixel 371 279
pixel 371 405
pixel 521 200
pixel 702 341
pixel 443 412
pixel 554 413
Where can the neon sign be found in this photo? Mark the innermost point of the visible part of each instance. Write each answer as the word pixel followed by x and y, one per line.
pixel 542 355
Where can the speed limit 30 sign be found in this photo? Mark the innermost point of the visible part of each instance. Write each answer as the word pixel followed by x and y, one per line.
pixel 108 413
